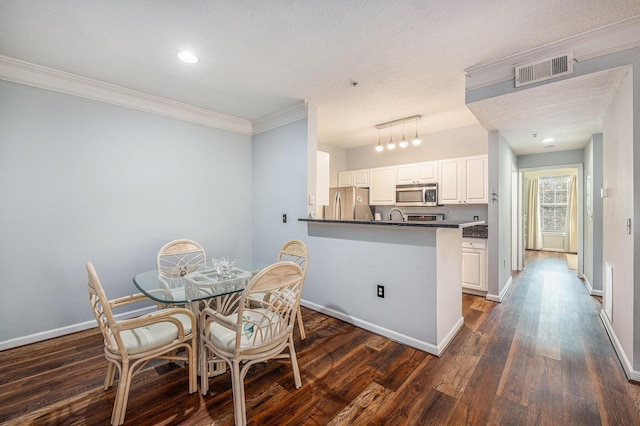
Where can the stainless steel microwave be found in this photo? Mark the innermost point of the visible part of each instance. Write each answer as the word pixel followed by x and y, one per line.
pixel 422 194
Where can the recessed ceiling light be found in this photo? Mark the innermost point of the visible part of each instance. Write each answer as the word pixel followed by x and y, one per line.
pixel 188 57
pixel 547 140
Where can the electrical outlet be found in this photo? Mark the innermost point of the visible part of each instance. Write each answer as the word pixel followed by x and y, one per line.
pixel 284 218
pixel 380 291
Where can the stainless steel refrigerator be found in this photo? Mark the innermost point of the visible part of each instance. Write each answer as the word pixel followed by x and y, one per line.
pixel 348 203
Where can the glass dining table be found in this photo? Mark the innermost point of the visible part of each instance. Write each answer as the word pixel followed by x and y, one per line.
pixel 202 288
pixel 202 285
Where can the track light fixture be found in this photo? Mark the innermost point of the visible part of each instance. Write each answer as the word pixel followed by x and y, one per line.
pixel 403 142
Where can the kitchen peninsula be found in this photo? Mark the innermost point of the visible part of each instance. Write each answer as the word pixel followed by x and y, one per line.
pixel 417 264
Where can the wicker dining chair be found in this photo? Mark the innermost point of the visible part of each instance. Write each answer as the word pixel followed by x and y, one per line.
pixel 177 258
pixel 254 332
pixel 296 251
pixel 129 344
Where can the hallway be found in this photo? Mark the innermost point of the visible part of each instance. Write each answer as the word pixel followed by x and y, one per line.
pixel 559 364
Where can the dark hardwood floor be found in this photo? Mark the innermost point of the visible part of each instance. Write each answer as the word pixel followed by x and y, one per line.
pixel 542 357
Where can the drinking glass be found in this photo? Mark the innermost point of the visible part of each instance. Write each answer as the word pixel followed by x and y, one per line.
pixel 224 266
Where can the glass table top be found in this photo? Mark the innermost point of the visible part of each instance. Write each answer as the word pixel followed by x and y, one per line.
pixel 203 284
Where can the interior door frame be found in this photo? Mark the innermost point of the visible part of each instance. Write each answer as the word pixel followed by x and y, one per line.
pixel 517 241
pixel 580 214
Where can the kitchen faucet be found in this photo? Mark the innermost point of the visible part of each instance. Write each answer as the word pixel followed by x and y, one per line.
pixel 398 210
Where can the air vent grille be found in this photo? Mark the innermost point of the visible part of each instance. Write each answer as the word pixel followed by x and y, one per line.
pixel 543 70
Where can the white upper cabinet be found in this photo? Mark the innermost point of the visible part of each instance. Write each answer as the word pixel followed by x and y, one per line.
pixel 382 190
pixel 345 178
pixel 463 180
pixel 359 178
pixel 408 174
pixel 449 172
pixel 475 180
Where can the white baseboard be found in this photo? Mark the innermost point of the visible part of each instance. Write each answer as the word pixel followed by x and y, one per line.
pixel 436 350
pixel 587 283
pixel 444 343
pixel 626 365
pixel 62 331
pixel 500 297
pixel 589 286
pixel 474 292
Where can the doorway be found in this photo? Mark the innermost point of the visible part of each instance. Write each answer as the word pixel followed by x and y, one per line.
pixel 552 212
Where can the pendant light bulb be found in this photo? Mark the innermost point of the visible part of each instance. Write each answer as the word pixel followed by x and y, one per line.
pixel 403 143
pixel 416 140
pixel 391 144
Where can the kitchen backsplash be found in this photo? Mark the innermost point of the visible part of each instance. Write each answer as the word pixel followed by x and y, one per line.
pixel 451 212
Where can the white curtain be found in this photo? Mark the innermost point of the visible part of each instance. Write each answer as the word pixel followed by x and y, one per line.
pixel 571 224
pixel 534 234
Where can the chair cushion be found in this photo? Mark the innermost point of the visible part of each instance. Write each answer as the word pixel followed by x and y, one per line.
pixel 155 335
pixel 225 339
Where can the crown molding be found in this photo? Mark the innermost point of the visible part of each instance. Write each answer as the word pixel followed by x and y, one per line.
pixel 281 118
pixel 42 77
pixel 601 41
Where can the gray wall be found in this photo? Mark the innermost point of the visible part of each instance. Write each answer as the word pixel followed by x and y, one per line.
pixel 618 206
pixel 87 181
pixel 551 159
pixel 501 161
pixel 279 187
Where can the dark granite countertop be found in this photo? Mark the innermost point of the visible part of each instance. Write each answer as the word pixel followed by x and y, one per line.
pixel 476 231
pixel 433 224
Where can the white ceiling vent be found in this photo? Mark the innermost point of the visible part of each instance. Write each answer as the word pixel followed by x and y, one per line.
pixel 543 70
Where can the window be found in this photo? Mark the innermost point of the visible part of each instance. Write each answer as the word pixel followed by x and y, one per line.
pixel 553 193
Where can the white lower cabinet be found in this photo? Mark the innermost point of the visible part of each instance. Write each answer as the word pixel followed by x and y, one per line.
pixel 474 265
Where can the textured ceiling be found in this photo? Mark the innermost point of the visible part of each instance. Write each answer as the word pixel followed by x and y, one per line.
pixel 569 111
pixel 258 57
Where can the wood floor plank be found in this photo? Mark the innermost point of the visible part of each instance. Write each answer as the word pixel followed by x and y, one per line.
pixel 540 357
pixel 435 409
pixel 507 412
pixel 396 362
pixel 363 408
pixel 546 397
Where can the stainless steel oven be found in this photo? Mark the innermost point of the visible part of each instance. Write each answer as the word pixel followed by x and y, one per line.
pixel 422 194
